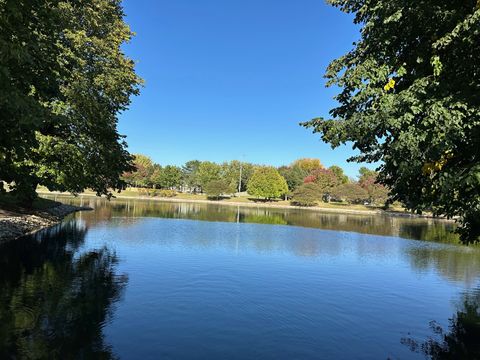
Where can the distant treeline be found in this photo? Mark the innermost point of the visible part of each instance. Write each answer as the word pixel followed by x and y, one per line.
pixel 305 182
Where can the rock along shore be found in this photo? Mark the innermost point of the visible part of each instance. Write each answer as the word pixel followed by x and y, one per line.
pixel 15 225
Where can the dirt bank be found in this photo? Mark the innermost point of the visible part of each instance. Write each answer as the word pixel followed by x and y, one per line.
pixel 14 224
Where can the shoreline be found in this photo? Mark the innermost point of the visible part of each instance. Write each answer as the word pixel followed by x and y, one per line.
pixel 337 210
pixel 15 225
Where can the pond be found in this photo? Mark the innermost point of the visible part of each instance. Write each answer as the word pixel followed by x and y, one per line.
pixel 170 280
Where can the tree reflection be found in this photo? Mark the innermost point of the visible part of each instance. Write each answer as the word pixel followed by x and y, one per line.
pixel 456 263
pixel 460 263
pixel 55 300
pixel 407 227
pixel 462 341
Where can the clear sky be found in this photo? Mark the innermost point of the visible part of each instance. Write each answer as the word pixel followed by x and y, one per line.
pixel 231 79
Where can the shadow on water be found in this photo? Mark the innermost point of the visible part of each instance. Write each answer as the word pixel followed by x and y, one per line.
pixel 461 340
pixel 55 299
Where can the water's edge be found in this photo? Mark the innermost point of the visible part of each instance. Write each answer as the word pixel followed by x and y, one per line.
pixel 264 205
pixel 18 225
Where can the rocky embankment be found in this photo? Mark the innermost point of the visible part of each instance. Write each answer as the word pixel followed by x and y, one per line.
pixel 14 225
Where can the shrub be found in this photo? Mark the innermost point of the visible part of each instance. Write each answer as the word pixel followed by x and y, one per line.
pixel 167 193
pixel 142 191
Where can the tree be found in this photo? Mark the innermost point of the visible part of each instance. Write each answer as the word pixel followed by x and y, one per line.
pixel 267 183
pixel 294 176
pixel 377 193
pixel 63 81
pixel 166 178
pixel 231 172
pixel 410 100
pixel 308 194
pixel 247 171
pixel 365 172
pixel 207 172
pixel 350 192
pixel 324 178
pixel 156 177
pixel 215 188
pixel 307 164
pixel 190 174
pixel 171 176
pixel 338 171
pixel 143 171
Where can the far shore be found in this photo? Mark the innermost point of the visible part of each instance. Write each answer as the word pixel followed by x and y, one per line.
pixel 337 208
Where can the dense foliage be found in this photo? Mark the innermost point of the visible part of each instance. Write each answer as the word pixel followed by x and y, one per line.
pixel 340 175
pixel 352 193
pixel 368 180
pixel 308 194
pixel 168 177
pixel 216 188
pixel 308 164
pixel 216 180
pixel 294 175
pixel 63 81
pixel 193 176
pixel 207 172
pixel 267 183
pixel 410 99
pixel 325 178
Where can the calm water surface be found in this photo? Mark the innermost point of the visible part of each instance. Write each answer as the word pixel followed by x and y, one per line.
pixel 154 280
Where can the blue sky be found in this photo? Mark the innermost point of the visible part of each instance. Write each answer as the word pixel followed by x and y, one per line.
pixel 232 79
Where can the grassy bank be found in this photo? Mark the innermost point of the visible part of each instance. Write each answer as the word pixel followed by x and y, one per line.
pixel 11 204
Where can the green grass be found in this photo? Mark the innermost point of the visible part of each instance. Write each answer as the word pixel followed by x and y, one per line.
pixel 12 203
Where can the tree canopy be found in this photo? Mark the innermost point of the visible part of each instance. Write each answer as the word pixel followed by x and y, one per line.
pixel 338 171
pixel 216 188
pixel 350 192
pixel 63 80
pixel 168 177
pixel 308 164
pixel 267 183
pixel 324 178
pixel 294 175
pixel 410 100
pixel 208 171
pixel 190 173
pixel 308 194
pixel 142 171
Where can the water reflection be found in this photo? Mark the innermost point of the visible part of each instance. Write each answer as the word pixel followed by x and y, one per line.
pixel 461 340
pixel 55 299
pixel 453 261
pixel 460 264
pixel 406 227
pixel 228 287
